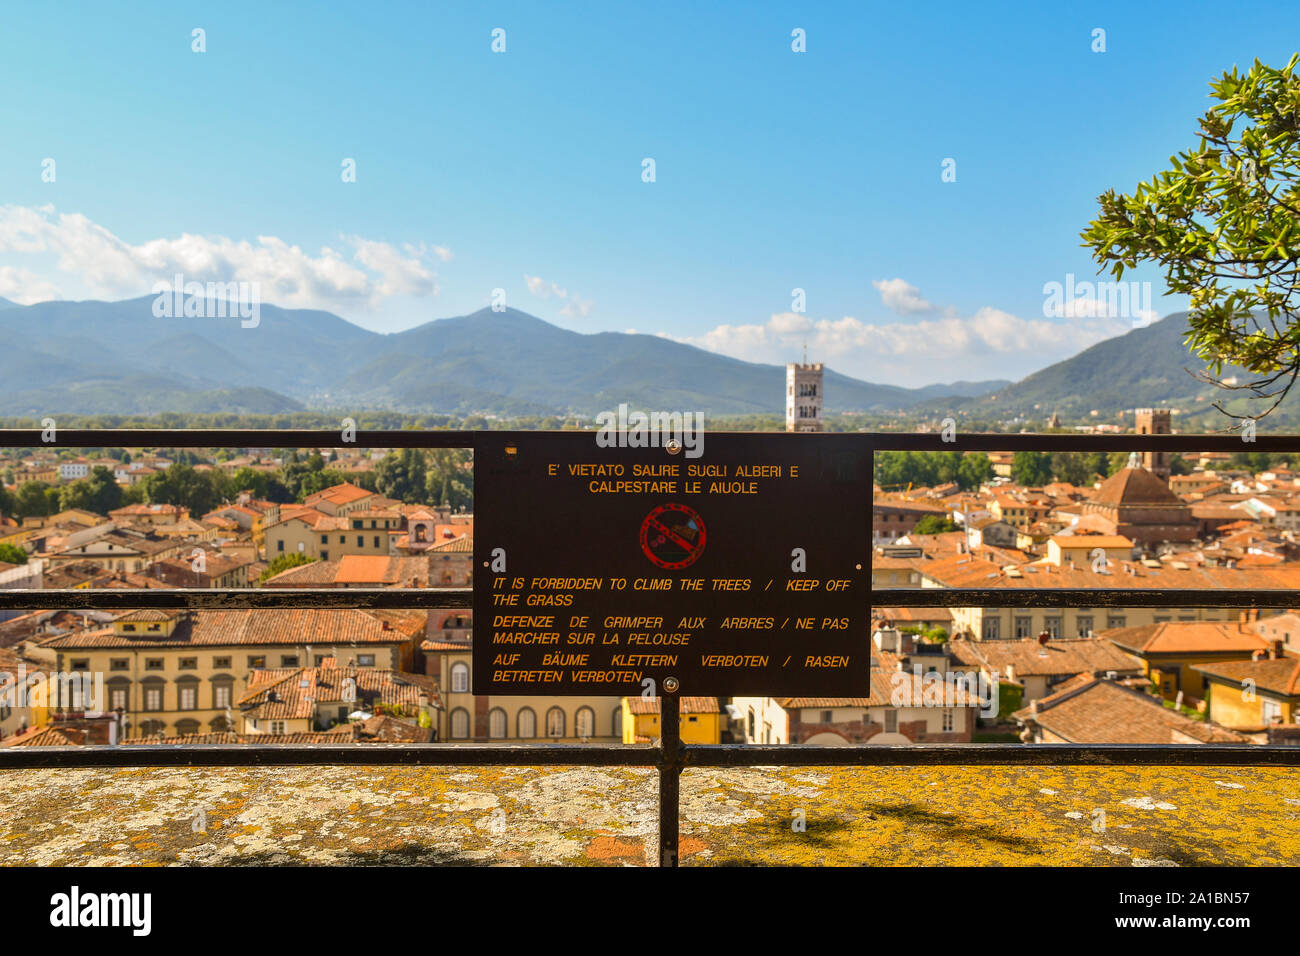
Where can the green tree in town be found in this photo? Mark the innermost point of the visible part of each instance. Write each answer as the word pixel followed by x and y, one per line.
pixel 99 493
pixel 934 524
pixel 12 554
pixel 1031 468
pixel 283 563
pixel 1223 223
pixel 30 501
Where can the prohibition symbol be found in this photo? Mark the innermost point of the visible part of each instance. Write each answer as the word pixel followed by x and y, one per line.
pixel 672 536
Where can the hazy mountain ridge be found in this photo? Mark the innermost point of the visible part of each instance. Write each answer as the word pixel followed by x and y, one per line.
pixel 118 357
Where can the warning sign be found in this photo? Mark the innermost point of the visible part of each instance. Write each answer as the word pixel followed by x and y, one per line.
pixel 745 570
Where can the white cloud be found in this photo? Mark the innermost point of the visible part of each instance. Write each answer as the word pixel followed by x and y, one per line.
pixel 989 344
pixel 575 307
pixel 360 276
pixel 900 297
pixel 24 286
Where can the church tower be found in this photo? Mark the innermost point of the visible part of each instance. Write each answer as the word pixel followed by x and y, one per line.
pixel 1153 421
pixel 803 397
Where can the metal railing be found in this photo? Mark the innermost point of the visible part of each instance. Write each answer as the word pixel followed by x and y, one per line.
pixel 671 756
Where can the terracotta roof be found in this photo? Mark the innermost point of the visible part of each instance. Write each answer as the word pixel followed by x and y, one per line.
pixel 47 736
pixel 1279 675
pixel 261 626
pixel 1135 486
pixel 293 693
pixel 1186 637
pixel 1092 710
pixel 689 705
pixel 1029 658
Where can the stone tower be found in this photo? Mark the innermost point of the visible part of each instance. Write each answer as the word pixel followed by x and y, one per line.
pixel 1154 421
pixel 803 397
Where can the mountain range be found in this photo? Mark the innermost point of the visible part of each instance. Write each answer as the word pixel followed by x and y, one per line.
pixel 119 358
pixel 1148 366
pixel 98 357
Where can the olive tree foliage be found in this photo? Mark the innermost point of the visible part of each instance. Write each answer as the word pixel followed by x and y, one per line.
pixel 1224 224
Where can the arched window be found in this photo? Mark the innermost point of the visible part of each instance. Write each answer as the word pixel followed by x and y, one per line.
pixel 584 723
pixel 459 723
pixel 527 721
pixel 617 722
pixel 497 723
pixel 459 678
pixel 555 722
pixel 187 727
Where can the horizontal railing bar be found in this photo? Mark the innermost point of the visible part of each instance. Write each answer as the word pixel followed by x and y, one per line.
pixel 117 599
pixel 644 755
pixel 459 438
pixel 1083 597
pixel 929 755
pixel 326 755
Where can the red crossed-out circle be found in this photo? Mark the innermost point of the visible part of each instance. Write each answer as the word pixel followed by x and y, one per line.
pixel 672 536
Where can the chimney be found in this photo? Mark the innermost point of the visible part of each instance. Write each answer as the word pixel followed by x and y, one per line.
pixel 1033 707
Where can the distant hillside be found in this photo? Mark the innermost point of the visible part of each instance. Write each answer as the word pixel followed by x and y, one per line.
pixel 117 357
pixel 1147 366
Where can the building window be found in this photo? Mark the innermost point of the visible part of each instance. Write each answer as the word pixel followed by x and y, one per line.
pixel 527 723
pixel 117 698
pixel 1085 625
pixel 1115 620
pixel 119 664
pixel 376 541
pixel 189 697
pixel 279 545
pixel 1024 628
pixel 221 662
pixel 80 663
pixel 584 723
pixel 279 727
pixel 1053 627
pixel 256 660
pixel 992 628
pixel 365 660
pixel 891 721
pixel 324 539
pixel 188 663
pixel 555 722
pixel 1269 710
pixel 459 723
pixel 948 718
pixel 221 694
pixel 459 678
pixel 750 725
pixel 288 660
pixel 153 698
pixel 617 721
pixel 827 716
pixel 497 723
pixel 153 663
pixel 361 541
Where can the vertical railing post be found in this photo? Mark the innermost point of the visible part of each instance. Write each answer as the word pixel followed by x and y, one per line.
pixel 670 770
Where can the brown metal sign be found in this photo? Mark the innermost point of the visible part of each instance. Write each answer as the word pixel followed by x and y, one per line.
pixel 742 570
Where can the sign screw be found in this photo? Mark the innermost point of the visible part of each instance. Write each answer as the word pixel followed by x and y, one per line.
pixel 671 685
pixel 672 446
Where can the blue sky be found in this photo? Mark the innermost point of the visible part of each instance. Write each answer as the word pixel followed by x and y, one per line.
pixel 522 170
